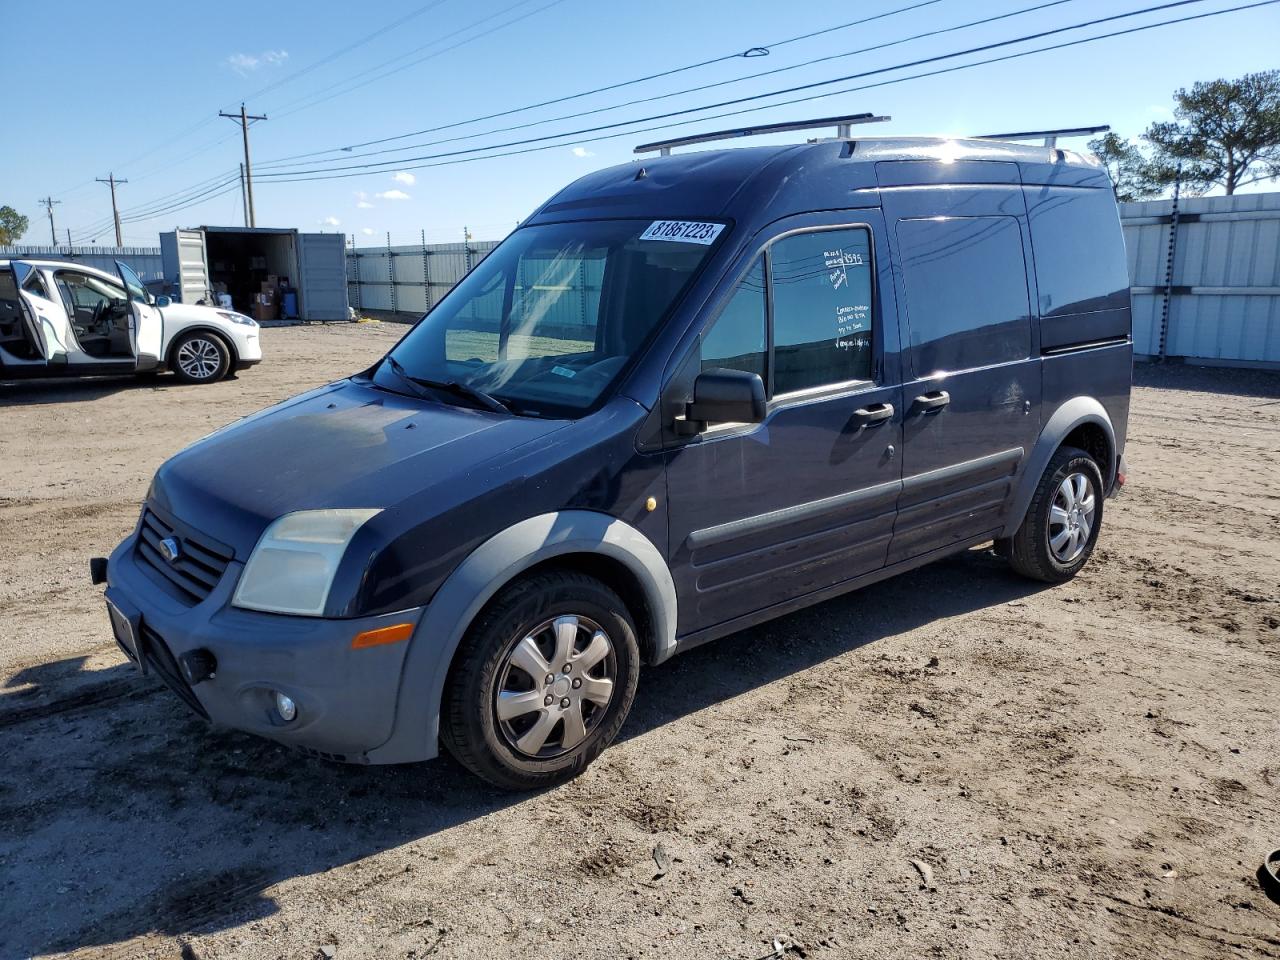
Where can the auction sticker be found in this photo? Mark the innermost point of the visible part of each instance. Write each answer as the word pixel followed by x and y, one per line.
pixel 684 231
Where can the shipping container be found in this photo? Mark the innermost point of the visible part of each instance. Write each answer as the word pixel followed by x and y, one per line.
pixel 201 262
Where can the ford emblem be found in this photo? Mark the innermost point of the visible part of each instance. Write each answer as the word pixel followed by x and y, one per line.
pixel 170 550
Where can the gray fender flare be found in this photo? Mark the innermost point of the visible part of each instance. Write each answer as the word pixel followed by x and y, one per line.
pixel 493 564
pixel 1068 416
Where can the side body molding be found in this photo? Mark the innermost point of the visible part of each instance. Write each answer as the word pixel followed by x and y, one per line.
pixel 1071 414
pixel 490 566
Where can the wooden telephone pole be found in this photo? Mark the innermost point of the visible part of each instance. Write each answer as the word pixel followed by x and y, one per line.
pixel 243 119
pixel 48 205
pixel 115 210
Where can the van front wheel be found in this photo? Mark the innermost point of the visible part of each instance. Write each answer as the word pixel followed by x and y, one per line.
pixel 542 682
pixel 1061 527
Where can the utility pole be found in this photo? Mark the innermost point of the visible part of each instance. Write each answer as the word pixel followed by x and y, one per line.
pixel 115 211
pixel 48 205
pixel 68 239
pixel 244 200
pixel 243 119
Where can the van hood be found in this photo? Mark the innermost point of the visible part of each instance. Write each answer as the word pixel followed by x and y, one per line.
pixel 345 445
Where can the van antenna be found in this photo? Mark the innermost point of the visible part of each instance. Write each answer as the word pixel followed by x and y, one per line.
pixel 844 130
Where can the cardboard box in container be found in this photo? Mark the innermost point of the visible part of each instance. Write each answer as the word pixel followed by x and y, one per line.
pixel 265 307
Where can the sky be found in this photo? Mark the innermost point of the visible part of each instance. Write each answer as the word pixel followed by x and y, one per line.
pixel 134 90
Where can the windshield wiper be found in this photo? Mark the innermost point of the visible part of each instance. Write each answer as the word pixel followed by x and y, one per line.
pixel 467 392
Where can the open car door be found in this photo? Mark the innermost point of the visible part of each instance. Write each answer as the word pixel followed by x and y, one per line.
pixel 145 329
pixel 46 320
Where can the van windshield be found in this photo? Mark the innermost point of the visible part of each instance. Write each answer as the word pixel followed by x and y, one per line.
pixel 546 323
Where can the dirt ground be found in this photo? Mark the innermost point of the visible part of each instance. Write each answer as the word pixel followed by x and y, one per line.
pixel 1090 770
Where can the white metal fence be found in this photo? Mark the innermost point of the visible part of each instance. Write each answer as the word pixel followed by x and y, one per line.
pixel 1205 275
pixel 144 261
pixel 409 279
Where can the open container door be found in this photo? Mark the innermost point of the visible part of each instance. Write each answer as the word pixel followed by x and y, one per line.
pixel 185 260
pixel 322 276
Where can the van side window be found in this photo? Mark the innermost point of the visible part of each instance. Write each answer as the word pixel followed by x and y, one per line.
pixel 1078 250
pixel 821 308
pixel 736 339
pixel 966 286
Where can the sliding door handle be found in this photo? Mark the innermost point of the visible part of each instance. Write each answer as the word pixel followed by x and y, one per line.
pixel 875 413
pixel 933 400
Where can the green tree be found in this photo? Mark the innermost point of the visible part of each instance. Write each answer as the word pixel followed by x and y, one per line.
pixel 1226 133
pixel 1131 173
pixel 12 225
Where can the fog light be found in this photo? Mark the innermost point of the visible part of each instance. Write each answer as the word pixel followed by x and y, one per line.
pixel 285 707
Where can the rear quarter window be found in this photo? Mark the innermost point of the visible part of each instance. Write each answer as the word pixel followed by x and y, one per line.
pixel 966 292
pixel 1079 250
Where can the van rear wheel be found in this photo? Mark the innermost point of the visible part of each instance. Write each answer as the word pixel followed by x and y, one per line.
pixel 1061 527
pixel 542 682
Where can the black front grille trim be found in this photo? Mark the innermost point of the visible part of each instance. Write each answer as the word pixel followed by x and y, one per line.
pixel 166 667
pixel 201 562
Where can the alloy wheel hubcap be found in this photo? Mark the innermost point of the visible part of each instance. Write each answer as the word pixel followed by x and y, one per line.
pixel 1071 517
pixel 555 686
pixel 199 358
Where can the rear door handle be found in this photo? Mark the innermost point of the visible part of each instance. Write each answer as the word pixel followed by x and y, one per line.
pixel 876 413
pixel 933 400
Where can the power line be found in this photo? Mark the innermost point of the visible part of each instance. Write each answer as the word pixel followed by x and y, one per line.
pixel 400 163
pixel 342 51
pixel 708 86
pixel 757 51
pixel 128 213
pixel 305 104
pixel 783 103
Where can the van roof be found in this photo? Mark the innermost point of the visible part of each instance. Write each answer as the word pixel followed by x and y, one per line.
pixel 767 182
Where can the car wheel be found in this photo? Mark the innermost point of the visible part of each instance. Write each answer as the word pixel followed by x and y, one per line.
pixel 542 682
pixel 1058 534
pixel 200 357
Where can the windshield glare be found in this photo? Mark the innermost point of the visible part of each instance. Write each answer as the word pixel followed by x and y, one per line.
pixel 549 319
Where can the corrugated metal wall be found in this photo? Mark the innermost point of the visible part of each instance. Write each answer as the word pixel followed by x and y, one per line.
pixel 409 279
pixel 1207 287
pixel 144 261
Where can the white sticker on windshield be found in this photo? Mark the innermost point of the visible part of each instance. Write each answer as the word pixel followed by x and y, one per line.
pixel 683 231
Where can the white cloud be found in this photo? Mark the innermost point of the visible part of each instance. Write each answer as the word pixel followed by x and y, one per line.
pixel 405 178
pixel 392 195
pixel 366 231
pixel 582 152
pixel 364 205
pixel 246 63
pixel 329 222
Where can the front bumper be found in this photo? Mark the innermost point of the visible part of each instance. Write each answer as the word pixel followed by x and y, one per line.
pixel 346 698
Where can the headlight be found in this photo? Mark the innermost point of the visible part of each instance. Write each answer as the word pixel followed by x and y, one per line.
pixel 237 318
pixel 293 566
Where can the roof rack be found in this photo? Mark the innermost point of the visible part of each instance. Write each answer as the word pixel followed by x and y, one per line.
pixel 844 129
pixel 1050 136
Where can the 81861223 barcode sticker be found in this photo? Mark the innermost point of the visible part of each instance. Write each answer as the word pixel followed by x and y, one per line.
pixel 682 231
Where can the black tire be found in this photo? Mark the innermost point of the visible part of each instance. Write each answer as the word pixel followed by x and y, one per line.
pixel 199 357
pixel 469 724
pixel 1029 550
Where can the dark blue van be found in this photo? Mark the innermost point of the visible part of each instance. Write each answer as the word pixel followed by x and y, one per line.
pixel 687 395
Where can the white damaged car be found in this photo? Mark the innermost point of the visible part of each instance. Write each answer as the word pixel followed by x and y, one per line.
pixel 63 319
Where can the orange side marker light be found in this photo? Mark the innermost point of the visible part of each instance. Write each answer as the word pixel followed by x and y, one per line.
pixel 376 638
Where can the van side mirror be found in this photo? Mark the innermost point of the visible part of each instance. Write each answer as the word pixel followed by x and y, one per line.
pixel 723 396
